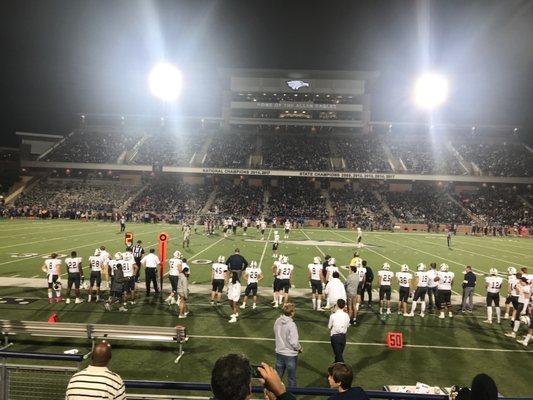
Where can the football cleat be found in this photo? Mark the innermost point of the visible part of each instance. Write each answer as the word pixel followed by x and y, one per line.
pixel 511 334
pixel 67 300
pixel 243 306
pixel 78 300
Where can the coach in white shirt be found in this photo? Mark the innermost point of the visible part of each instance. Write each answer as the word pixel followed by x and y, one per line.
pixel 335 290
pixel 339 322
pixel 151 262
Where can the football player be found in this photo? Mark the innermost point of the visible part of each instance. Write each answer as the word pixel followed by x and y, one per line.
pixel 512 295
pixel 449 237
pixel 528 320
pixel 174 270
pixel 105 269
pixel 253 275
pixel 219 279
pixel 287 228
pixel 285 273
pixel 234 294
pixel 523 289
pixel 404 278
pixel 225 225
pixel 359 238
pixel 234 226
pixel 275 285
pixel 274 223
pixel 244 226
pixel 275 245
pixel 186 235
pixel 75 276
pixel 52 267
pixel 421 290
pixel 361 271
pixel 96 264
pixel 445 282
pixel 432 286
pixel 129 269
pixel 493 283
pixel 315 279
pixel 262 226
pixel 122 224
pixel 385 278
pixel 330 269
pixel 117 289
pixel 183 288
pixel 112 265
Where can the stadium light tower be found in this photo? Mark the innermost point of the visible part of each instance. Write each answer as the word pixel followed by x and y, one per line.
pixel 165 81
pixel 430 91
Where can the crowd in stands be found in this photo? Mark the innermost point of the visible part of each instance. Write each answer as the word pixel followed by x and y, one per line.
pixel 239 199
pixel 170 197
pixel 90 146
pixel 425 204
pixel 175 149
pixel 497 206
pixel 230 151
pixel 501 159
pixel 281 151
pixel 71 198
pixel 421 156
pixel 363 154
pixel 358 207
pixel 295 198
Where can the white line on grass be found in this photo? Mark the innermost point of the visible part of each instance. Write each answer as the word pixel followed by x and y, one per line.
pixel 419 346
pixel 500 249
pixel 200 252
pixel 264 249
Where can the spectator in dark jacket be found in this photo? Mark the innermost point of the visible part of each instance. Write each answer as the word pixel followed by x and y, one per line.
pixel 237 263
pixel 369 277
pixel 340 377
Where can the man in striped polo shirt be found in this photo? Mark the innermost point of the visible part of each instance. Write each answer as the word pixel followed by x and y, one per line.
pixel 97 381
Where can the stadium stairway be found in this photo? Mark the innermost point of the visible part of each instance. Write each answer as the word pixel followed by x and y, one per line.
pixel 394 163
pixel 524 201
pixel 266 197
pixel 210 200
pixel 466 210
pixel 385 206
pixel 199 157
pixel 130 155
pixel 130 200
pixel 464 164
pixel 59 143
pixel 329 207
pixel 25 183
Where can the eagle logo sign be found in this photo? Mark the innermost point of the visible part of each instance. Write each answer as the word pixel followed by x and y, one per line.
pixel 295 85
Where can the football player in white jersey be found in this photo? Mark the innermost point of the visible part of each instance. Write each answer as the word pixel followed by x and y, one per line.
pixel 330 269
pixel 287 228
pixel 275 245
pixel 96 265
pixel 129 269
pixel 285 273
pixel 420 291
pixel 274 223
pixel 493 283
pixel 385 279
pixel 445 282
pixel 359 238
pixel 112 265
pixel 186 236
pixel 173 272
pixel 275 284
pixel 75 276
pixel 105 270
pixel 219 279
pixel 526 275
pixel 262 226
pixel 523 289
pixel 225 225
pixel 314 273
pixel 234 294
pixel 512 295
pixel 245 224
pixel 361 271
pixel 404 278
pixel 253 275
pixel 52 268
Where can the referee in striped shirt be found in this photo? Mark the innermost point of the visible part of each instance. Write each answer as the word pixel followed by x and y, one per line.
pixel 138 253
pixel 97 381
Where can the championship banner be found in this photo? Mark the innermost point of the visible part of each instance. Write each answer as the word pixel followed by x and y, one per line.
pixel 163 238
pixel 128 239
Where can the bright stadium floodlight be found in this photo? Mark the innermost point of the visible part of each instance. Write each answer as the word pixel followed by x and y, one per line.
pixel 165 82
pixel 430 91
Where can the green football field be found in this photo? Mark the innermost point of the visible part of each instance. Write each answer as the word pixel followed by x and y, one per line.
pixel 437 352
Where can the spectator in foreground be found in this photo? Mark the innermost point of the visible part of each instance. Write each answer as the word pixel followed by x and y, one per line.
pixel 97 381
pixel 231 379
pixel 469 283
pixel 339 322
pixel 340 377
pixel 483 388
pixel 237 263
pixel 287 345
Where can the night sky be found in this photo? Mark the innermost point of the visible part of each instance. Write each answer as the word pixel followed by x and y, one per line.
pixel 61 58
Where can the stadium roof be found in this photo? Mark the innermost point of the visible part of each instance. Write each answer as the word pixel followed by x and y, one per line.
pixel 297 73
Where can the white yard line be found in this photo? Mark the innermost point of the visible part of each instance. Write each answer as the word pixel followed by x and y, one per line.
pixel 419 346
pixel 321 252
pixel 264 249
pixel 500 249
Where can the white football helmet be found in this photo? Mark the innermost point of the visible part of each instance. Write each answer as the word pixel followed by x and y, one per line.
pixel 421 267
pixel 221 259
pixel 97 252
pixel 444 267
pixel 493 271
pixel 386 266
pixel 331 261
pixel 118 256
pixel 253 264
pixel 511 270
pixel 280 258
pixel 177 254
pixel 127 256
pixel 358 264
pixel 276 233
pixel 316 260
pixel 285 259
pixel 404 268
